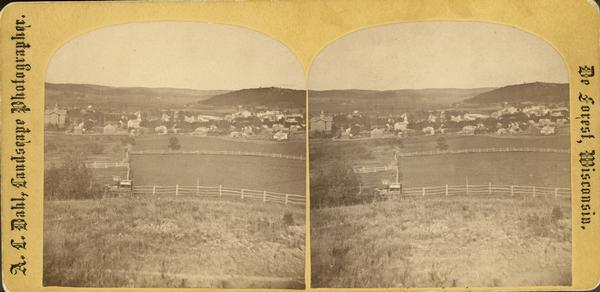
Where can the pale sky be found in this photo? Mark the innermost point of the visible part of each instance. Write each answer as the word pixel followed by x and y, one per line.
pixel 176 54
pixel 440 54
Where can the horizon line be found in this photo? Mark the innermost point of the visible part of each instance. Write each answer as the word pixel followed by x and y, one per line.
pixel 425 88
pixel 166 87
pixel 306 89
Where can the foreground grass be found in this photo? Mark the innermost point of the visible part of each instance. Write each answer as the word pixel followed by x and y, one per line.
pixel 172 242
pixel 452 241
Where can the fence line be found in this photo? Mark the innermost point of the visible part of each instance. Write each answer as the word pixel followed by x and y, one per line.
pixel 219 192
pixel 209 152
pixel 489 189
pixel 103 164
pixel 483 150
pixel 364 169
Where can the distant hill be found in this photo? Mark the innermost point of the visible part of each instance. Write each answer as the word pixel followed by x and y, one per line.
pixel 528 92
pixel 68 94
pixel 268 96
pixel 386 100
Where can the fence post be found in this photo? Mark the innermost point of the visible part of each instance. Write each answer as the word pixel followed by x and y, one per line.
pixel 534 191
pixel 555 193
pixel 512 191
pixel 264 196
pixel 242 193
pixel 153 190
pixel 177 190
pixel 446 190
pixel 220 191
pixel 423 191
pixel 286 199
pixel 490 188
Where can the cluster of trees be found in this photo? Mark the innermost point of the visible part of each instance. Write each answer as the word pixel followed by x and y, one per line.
pixel 333 184
pixel 71 180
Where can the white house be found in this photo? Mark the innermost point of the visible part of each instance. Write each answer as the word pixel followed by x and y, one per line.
pixel 161 130
pixel 165 117
pixel 109 129
pixel 428 131
pixel 133 124
pixel 468 130
pixel 547 130
pixel 280 136
pixel 200 131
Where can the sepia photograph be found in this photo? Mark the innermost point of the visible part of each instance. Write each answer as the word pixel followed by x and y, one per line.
pixel 175 156
pixel 439 157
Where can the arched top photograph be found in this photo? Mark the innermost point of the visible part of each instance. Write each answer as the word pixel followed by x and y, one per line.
pixel 161 140
pixel 443 148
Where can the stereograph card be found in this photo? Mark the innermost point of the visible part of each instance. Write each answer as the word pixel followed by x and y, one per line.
pixel 300 145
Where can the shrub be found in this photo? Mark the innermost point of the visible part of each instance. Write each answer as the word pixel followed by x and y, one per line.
pixel 174 143
pixel 334 184
pixel 288 219
pixel 71 180
pixel 441 144
pixel 556 214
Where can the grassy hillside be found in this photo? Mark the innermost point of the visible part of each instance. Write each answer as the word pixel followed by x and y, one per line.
pixel 173 242
pixel 373 100
pixel 267 96
pixel 453 241
pixel 122 97
pixel 538 92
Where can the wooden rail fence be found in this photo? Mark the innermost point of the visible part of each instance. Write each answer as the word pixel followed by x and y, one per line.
pixel 103 164
pixel 365 169
pixel 489 189
pixel 209 152
pixel 221 192
pixel 483 150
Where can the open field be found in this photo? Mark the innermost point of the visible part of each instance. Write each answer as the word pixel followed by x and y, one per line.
pixel 511 168
pixel 57 144
pixel 453 241
pixel 187 142
pixel 173 242
pixel 271 174
pixel 94 147
pixel 455 142
pixel 259 173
